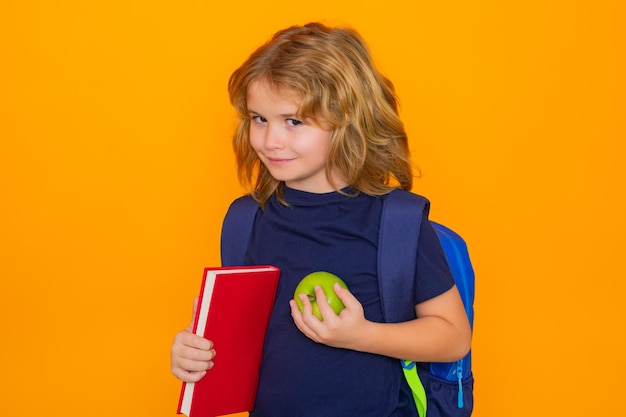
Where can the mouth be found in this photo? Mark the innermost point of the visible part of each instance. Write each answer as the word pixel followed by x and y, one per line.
pixel 278 161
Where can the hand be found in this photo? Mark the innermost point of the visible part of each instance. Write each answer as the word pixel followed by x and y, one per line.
pixel 345 330
pixel 191 355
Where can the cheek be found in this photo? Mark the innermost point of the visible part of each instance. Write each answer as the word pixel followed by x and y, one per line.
pixel 318 147
pixel 256 141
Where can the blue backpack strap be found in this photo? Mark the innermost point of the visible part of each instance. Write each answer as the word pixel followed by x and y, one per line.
pixel 236 230
pixel 397 259
pixel 397 253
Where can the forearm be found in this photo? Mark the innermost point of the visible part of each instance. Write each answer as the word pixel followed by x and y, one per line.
pixel 441 333
pixel 427 339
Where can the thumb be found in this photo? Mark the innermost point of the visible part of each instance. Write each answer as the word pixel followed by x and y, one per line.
pixel 193 314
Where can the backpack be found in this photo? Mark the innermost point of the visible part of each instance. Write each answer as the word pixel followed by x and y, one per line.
pixel 439 389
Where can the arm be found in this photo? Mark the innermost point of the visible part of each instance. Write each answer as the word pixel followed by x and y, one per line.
pixel 191 355
pixel 441 332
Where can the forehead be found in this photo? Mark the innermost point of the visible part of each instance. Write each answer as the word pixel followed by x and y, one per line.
pixel 261 90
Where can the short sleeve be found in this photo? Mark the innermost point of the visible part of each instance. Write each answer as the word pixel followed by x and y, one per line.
pixel 433 276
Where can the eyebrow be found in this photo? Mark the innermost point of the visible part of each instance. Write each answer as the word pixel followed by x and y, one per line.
pixel 285 115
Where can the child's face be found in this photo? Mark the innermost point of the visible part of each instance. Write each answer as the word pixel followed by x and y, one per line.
pixel 293 150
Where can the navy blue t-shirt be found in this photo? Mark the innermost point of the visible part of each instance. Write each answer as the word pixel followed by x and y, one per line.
pixel 339 234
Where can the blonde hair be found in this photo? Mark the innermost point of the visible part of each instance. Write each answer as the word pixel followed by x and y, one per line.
pixel 332 71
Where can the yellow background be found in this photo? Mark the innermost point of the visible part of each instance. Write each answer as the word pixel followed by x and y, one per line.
pixel 116 170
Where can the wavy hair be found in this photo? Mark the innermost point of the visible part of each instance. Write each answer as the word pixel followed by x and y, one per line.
pixel 341 89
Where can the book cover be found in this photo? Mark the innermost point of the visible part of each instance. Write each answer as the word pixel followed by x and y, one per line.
pixel 234 308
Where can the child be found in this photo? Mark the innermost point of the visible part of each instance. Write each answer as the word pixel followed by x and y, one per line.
pixel 319 144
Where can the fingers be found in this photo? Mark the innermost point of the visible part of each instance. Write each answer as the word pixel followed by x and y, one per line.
pixel 340 330
pixel 322 304
pixel 347 298
pixel 296 314
pixel 307 306
pixel 188 376
pixel 191 356
pixel 321 308
pixel 186 339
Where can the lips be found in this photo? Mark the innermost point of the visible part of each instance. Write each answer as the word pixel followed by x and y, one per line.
pixel 279 161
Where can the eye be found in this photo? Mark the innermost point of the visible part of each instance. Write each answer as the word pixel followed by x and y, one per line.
pixel 293 122
pixel 258 119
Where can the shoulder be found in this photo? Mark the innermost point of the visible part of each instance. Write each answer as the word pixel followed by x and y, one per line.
pixel 405 196
pixel 402 203
pixel 242 205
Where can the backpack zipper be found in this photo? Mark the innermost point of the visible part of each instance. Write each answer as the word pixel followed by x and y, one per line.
pixel 459 375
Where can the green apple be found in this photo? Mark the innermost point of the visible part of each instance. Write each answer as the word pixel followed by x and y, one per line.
pixel 326 280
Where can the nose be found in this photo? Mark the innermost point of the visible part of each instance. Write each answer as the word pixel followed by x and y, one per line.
pixel 273 137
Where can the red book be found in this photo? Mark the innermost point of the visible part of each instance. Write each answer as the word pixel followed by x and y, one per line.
pixel 233 311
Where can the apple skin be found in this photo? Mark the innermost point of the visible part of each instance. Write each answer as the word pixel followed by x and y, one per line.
pixel 325 280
